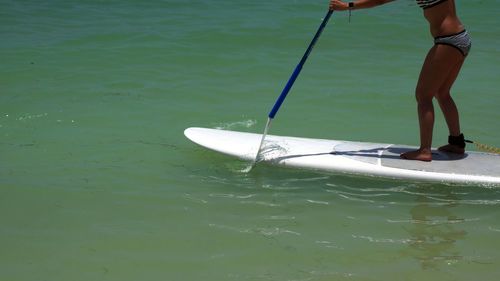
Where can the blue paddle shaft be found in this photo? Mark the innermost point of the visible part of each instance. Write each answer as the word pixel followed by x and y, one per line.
pixel 298 68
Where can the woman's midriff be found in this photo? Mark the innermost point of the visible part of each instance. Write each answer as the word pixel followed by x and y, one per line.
pixel 443 19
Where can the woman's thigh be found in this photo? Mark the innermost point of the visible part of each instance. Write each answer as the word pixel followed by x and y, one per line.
pixel 439 71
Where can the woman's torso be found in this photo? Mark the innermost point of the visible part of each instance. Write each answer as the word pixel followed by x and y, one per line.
pixel 443 19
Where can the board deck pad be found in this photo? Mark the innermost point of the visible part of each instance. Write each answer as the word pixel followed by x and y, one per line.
pixel 363 158
pixel 441 162
pixel 469 163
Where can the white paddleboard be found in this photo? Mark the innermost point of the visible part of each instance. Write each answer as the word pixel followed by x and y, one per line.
pixel 359 158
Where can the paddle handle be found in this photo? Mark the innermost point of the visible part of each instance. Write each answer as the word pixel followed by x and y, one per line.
pixel 298 68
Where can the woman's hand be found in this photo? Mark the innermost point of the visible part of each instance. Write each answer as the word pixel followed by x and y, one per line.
pixel 337 5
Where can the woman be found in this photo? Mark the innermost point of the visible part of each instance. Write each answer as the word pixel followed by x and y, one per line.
pixel 439 71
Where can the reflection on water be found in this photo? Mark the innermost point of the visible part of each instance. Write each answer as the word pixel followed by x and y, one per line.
pixel 434 231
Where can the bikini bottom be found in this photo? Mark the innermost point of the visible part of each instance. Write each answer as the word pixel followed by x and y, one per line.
pixel 460 41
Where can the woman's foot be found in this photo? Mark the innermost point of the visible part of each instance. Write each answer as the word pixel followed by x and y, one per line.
pixel 456 144
pixel 421 155
pixel 450 148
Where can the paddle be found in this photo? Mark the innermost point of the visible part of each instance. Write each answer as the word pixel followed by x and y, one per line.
pixel 290 82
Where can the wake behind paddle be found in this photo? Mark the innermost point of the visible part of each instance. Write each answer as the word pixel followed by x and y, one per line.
pixel 289 84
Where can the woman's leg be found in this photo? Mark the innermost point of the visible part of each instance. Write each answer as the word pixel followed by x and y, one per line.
pixel 449 109
pixel 437 72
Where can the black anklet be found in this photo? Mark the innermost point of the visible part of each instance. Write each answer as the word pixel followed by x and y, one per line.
pixel 458 141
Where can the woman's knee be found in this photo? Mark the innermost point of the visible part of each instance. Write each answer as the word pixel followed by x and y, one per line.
pixel 444 96
pixel 423 95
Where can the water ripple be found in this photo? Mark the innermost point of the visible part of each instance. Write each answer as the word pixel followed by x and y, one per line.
pixel 382 240
pixel 222 195
pixel 235 125
pixel 191 198
pixel 494 229
pixel 283 217
pixel 266 231
pixel 434 221
pixel 262 203
pixel 329 244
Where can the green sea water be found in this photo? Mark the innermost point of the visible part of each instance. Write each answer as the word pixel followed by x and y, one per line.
pixel 98 182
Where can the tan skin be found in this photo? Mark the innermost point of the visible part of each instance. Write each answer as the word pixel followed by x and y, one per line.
pixel 439 71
